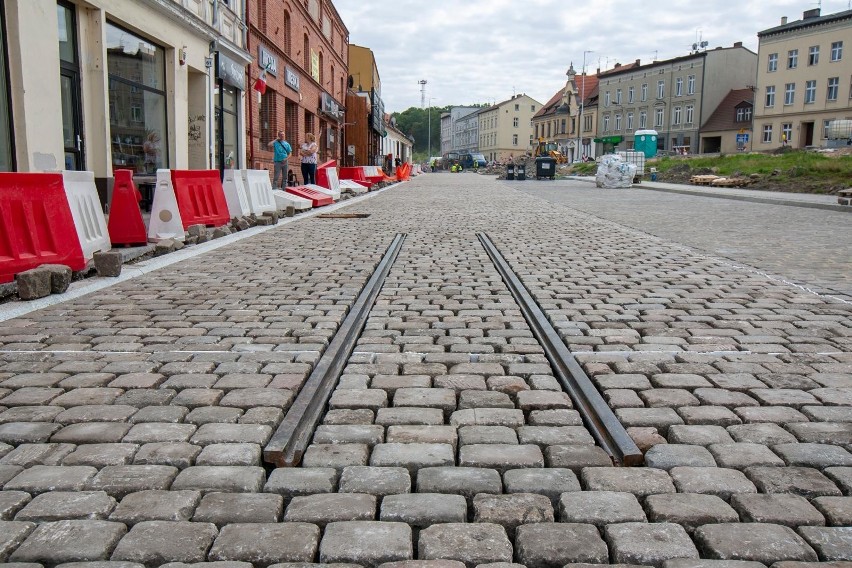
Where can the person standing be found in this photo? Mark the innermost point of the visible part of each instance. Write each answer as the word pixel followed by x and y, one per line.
pixel 308 152
pixel 282 150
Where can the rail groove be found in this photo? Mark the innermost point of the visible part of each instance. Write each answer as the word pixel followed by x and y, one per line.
pixel 596 413
pixel 288 444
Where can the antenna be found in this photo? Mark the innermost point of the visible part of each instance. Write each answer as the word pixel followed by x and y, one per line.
pixel 656 54
pixel 422 83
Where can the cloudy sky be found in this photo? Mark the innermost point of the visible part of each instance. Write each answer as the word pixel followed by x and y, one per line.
pixel 478 51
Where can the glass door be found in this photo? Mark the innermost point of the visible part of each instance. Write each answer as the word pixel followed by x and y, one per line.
pixel 72 123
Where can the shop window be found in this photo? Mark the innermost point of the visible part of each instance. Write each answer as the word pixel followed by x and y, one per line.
pixel 227 120
pixel 137 99
pixel 269 117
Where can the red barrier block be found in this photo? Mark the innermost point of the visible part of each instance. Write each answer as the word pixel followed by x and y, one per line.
pixel 355 174
pixel 200 198
pixel 36 226
pixel 125 225
pixel 322 173
pixel 317 199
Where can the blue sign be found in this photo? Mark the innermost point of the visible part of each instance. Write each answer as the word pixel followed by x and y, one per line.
pixel 742 138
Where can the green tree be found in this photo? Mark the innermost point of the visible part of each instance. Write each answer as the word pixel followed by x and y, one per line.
pixel 415 121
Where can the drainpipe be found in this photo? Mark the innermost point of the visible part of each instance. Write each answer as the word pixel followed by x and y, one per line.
pixel 249 89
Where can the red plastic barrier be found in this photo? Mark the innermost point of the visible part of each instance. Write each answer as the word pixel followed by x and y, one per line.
pixel 36 226
pixel 322 174
pixel 379 178
pixel 317 199
pixel 200 198
pixel 125 225
pixel 355 174
pixel 403 172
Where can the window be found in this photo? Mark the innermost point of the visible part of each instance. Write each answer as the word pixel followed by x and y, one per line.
pixel 744 114
pixel 562 125
pixel 787 131
pixel 661 89
pixel 677 113
pixel 643 119
pixel 618 96
pixel 587 123
pixel 810 92
pixel 772 65
pixel 514 139
pixel 515 122
pixel 631 94
pixel 813 55
pixel 658 117
pixel 792 59
pixel 833 88
pixel 517 107
pixel 306 54
pixel 825 125
pixel 618 123
pixel 679 87
pixel 629 122
pixel 606 99
pixel 767 133
pixel 606 124
pixel 837 51
pixel 532 108
pixel 690 85
pixel 644 92
pixel 770 96
pixel 690 113
pixel 536 130
pixel 288 45
pixel 269 117
pixel 789 93
pixel 138 126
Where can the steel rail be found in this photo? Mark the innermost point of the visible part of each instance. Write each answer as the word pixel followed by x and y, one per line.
pixel 291 439
pixel 595 412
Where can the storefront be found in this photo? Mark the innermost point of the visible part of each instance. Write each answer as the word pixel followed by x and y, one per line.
pixel 137 102
pixel 6 149
pixel 230 85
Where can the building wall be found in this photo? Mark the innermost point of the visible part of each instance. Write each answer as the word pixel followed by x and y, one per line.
pixel 802 116
pixel 506 129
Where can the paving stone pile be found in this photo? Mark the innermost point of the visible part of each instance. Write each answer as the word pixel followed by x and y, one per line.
pixel 132 421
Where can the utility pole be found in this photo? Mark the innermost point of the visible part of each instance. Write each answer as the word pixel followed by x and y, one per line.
pixel 582 98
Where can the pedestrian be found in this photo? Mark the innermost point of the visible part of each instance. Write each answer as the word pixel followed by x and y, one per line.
pixel 308 153
pixel 281 151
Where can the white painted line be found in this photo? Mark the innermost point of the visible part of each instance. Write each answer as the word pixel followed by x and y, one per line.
pixel 80 288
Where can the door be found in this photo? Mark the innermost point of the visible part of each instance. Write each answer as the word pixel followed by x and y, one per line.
pixel 69 78
pixel 807 138
pixel 72 135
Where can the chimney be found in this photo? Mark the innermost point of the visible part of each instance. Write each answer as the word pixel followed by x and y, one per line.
pixel 738 44
pixel 617 65
pixel 637 63
pixel 811 14
pixel 783 20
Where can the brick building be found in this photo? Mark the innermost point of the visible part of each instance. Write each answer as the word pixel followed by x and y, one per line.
pixel 304 46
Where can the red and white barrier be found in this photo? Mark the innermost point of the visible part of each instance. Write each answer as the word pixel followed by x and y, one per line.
pixel 166 222
pixel 87 212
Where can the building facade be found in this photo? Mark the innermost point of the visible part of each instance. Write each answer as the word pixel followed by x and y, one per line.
pixel 117 84
pixel 466 133
pixel 729 128
pixel 505 129
pixel 803 80
pixel 397 145
pixel 556 121
pixel 303 46
pixel 673 97
pixel 366 89
pixel 452 133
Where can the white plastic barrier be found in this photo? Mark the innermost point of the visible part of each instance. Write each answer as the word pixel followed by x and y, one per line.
pixel 165 222
pixel 284 199
pixel 259 191
pixel 372 171
pixel 86 211
pixel 352 186
pixel 334 182
pixel 324 190
pixel 235 194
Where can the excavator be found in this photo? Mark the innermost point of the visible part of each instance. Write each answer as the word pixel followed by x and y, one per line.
pixel 550 150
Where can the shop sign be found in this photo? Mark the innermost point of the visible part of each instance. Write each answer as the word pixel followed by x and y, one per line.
pixel 232 72
pixel 315 70
pixel 267 61
pixel 291 78
pixel 378 112
pixel 329 106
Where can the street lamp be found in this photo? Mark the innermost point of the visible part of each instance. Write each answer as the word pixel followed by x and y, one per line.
pixel 582 98
pixel 429 122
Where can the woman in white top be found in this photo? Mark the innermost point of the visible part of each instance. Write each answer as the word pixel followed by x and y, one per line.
pixel 308 153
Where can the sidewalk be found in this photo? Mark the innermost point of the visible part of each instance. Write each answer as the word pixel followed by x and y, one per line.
pixel 810 200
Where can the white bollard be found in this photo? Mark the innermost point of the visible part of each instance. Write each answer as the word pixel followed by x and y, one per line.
pixel 166 222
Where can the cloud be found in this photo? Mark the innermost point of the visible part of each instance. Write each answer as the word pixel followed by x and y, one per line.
pixel 480 51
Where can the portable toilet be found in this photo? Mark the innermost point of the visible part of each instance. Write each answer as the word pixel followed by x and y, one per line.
pixel 645 141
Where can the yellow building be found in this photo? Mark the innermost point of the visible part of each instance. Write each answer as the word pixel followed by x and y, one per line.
pixel 504 128
pixel 803 80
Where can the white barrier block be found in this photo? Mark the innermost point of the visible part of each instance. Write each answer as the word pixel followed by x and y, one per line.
pixel 353 186
pixel 86 211
pixel 283 199
pixel 334 182
pixel 166 222
pixel 259 191
pixel 323 190
pixel 235 194
pixel 372 171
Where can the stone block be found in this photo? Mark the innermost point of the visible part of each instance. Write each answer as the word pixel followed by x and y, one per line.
pixel 60 277
pixel 830 543
pixel 91 433
pixel 543 400
pixel 741 456
pixel 297 482
pixel 157 542
pixel 803 481
pixel 121 480
pixel 717 481
pixel 668 456
pixel 11 502
pixel 472 544
pixel 552 545
pixel 488 417
pixel 108 264
pixel 651 544
pixel 550 482
pixel 412 456
pixel 511 511
pixel 156 505
pixel 225 508
pixel 487 435
pixel 230 455
pixel 33 284
pixel 379 481
pixel 322 509
pixel 369 434
pixel 70 541
pixel 264 544
pixel 17 433
pixel 421 510
pixel 699 435
pixel 576 457
pixel 12 534
pixel 177 454
pixel 368 543
pixel 336 456
pixel 779 509
pixel 42 478
pixel 689 510
pixel 422 435
pixel 813 455
pixel 501 457
pixel 756 542
pixel 465 481
pixel 766 434
pixel 484 399
pixel 408 416
pixel 600 508
pixel 837 510
pixel 61 505
pixel 229 479
pixel 640 482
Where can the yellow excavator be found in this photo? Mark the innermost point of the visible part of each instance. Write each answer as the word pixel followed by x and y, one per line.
pixel 549 149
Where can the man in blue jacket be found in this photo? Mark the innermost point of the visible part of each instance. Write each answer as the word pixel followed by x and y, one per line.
pixel 282 151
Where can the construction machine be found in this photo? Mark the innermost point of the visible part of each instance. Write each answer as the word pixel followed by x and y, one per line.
pixel 549 150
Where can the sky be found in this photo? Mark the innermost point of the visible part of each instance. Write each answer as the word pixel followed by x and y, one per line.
pixel 485 51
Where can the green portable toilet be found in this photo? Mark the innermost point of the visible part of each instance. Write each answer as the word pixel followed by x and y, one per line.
pixel 645 141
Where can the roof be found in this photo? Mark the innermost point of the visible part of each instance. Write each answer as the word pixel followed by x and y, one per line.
pixel 583 86
pixel 806 22
pixel 724 117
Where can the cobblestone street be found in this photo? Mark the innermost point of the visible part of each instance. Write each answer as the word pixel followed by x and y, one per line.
pixel 132 420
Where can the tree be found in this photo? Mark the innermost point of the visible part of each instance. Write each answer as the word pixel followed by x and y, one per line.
pixel 414 121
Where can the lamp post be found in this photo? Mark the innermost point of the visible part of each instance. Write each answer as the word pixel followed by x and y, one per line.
pixel 429 123
pixel 582 98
